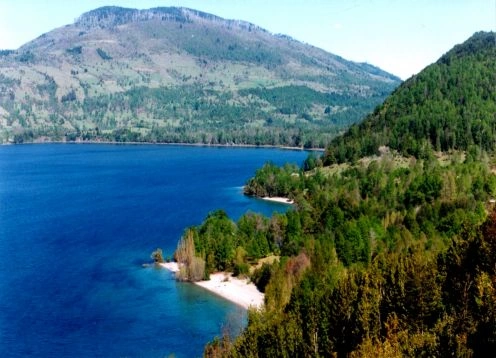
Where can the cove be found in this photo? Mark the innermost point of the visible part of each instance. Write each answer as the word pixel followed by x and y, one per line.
pixel 78 221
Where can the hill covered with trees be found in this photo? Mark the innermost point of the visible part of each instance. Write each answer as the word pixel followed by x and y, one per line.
pixel 450 105
pixel 388 257
pixel 180 75
pixel 388 252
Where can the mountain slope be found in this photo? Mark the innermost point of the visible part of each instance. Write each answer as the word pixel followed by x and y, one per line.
pixel 180 75
pixel 390 255
pixel 451 104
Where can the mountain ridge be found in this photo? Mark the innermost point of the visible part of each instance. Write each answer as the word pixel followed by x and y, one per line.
pixel 89 79
pixel 106 16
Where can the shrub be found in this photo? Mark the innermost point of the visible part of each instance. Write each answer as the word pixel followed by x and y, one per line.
pixel 261 276
pixel 241 269
pixel 157 256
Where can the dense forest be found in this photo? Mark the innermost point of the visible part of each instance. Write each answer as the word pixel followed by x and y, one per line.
pixel 386 253
pixel 450 105
pixel 372 260
pixel 283 116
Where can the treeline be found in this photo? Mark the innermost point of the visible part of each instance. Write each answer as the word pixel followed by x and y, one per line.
pixel 273 181
pixel 347 204
pixel 220 244
pixel 371 259
pixel 451 105
pixel 192 114
pixel 406 303
pixel 390 250
pixel 296 116
pixel 299 100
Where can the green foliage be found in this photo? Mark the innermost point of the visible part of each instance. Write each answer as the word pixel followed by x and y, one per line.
pixel 391 255
pixel 242 269
pixel 370 251
pixel 210 116
pixel 353 242
pixel 7 52
pixel 76 50
pixel 49 87
pixel 450 105
pixel 217 242
pixel 424 188
pixel 157 256
pixel 299 100
pixel 26 57
pixel 404 304
pixel 69 97
pixel 312 162
pixel 191 267
pixel 103 55
pixel 370 206
pixel 252 230
pixel 261 276
pixel 273 181
pixel 228 246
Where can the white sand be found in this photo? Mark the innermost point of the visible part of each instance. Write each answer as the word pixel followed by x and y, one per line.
pixel 278 199
pixel 236 290
pixel 171 266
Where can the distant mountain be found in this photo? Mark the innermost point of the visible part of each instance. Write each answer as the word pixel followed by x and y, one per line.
pixel 450 105
pixel 180 75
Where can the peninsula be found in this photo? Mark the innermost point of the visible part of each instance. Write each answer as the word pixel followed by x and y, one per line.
pixel 239 291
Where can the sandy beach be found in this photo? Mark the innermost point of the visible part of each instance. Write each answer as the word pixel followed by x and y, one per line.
pixel 239 291
pixel 278 199
pixel 171 266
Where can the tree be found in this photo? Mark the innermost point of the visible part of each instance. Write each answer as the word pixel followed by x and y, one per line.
pixel 191 267
pixel 157 256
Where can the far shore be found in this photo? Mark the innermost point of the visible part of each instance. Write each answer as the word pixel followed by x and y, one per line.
pixel 239 291
pixel 228 145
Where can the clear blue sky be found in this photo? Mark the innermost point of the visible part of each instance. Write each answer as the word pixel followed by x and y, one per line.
pixel 400 36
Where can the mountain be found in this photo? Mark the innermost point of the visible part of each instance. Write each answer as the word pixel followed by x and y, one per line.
pixel 390 255
pixel 180 75
pixel 450 105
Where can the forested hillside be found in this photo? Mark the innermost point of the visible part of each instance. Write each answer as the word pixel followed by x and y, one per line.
pixel 450 105
pixel 180 75
pixel 388 253
pixel 389 257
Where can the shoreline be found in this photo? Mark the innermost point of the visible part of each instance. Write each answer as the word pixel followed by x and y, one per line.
pixel 172 144
pixel 278 199
pixel 238 291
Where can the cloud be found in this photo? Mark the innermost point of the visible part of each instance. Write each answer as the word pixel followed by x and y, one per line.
pixel 337 26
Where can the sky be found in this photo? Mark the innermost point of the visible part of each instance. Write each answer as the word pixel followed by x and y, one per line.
pixel 399 36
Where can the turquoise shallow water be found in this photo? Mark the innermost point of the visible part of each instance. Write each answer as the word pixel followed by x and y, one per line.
pixel 78 221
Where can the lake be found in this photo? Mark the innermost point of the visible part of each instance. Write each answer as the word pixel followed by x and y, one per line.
pixel 77 223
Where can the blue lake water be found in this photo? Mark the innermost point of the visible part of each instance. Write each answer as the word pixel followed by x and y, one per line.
pixel 78 221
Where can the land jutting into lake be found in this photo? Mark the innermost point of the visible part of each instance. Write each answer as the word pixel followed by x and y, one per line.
pixel 238 290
